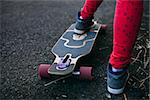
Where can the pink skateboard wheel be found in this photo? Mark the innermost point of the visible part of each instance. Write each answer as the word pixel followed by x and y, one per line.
pixel 86 73
pixel 43 71
pixel 104 26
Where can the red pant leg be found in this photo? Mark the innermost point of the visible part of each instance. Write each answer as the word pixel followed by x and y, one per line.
pixel 127 21
pixel 89 8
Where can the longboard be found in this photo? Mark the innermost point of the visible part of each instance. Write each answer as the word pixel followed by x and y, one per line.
pixel 70 47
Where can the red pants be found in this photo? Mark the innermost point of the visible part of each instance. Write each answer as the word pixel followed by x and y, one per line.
pixel 127 21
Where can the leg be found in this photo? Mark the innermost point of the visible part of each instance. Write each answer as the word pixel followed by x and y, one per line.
pixel 126 26
pixel 84 21
pixel 89 8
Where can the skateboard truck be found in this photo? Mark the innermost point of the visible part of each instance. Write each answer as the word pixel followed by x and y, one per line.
pixel 63 63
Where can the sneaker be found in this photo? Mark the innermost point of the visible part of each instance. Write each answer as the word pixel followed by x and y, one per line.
pixel 83 25
pixel 116 81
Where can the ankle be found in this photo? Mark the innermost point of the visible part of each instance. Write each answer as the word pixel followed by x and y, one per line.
pixel 117 70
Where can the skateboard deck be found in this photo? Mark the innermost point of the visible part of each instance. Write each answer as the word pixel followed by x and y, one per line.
pixel 70 47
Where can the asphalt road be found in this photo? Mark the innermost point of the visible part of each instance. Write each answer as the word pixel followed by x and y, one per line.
pixel 29 29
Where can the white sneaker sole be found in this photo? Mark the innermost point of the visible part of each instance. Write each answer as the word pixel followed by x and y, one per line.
pixel 78 31
pixel 83 31
pixel 115 91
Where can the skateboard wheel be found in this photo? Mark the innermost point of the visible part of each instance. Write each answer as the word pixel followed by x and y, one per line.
pixel 104 26
pixel 86 73
pixel 43 71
